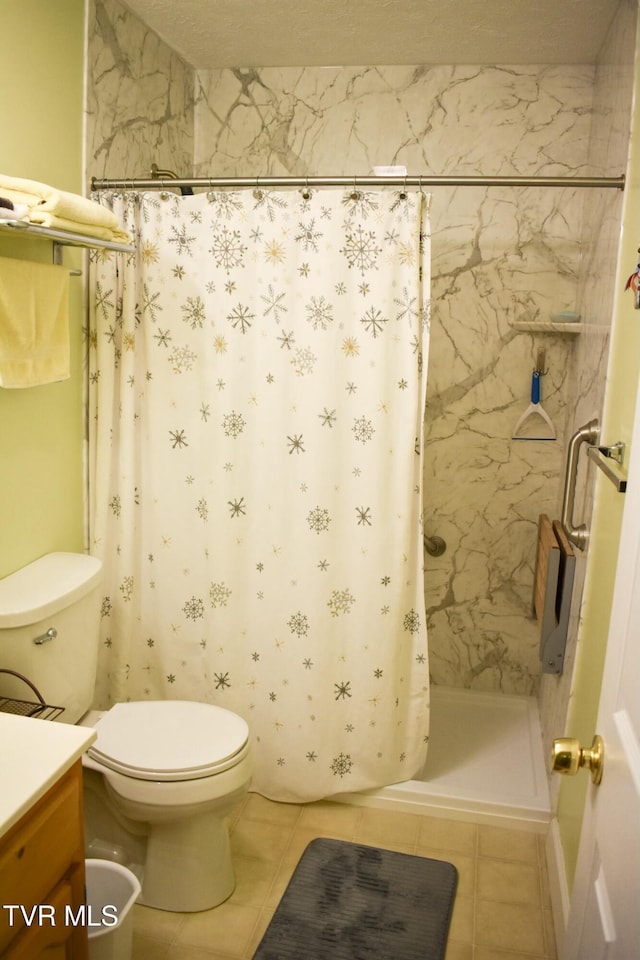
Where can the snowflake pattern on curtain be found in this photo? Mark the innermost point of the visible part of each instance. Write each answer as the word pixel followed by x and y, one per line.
pixel 257 385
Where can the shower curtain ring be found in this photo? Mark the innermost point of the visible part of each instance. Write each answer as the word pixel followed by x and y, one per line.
pixel 305 191
pixel 403 192
pixel 257 193
pixel 355 194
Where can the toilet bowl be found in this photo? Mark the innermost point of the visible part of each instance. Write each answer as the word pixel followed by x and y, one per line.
pixel 162 776
pixel 172 771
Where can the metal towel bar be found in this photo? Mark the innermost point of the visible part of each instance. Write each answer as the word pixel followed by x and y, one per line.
pixel 601 456
pixel 589 433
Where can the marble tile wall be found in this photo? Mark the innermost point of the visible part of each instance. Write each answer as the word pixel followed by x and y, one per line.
pixel 139 98
pixel 500 256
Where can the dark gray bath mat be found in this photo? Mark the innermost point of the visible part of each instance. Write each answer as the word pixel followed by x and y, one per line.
pixel 346 901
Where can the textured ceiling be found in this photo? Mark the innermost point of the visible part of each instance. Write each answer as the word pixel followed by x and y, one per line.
pixel 245 33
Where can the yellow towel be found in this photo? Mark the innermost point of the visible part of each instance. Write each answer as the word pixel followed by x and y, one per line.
pixel 34 323
pixel 43 200
pixel 43 219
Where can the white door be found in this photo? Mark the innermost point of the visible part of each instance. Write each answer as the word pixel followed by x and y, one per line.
pixel 604 917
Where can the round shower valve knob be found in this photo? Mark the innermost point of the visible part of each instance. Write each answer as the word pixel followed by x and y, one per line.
pixel 567 757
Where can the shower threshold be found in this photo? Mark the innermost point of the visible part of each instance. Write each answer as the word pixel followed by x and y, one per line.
pixel 485 764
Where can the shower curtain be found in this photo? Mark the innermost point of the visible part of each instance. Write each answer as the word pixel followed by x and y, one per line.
pixel 257 386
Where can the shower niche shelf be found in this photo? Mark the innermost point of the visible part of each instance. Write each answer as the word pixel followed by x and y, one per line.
pixel 546 326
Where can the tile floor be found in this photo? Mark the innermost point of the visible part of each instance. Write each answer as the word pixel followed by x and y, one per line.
pixel 502 909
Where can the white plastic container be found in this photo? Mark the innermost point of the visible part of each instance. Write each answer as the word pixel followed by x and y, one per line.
pixel 111 892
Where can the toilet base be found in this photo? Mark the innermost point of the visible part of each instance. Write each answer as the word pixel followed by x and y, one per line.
pixel 200 847
pixel 184 864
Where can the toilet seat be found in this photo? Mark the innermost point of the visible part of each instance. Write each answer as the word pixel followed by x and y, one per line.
pixel 169 740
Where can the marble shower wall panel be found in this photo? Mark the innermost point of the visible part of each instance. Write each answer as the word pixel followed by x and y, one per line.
pixel 499 256
pixel 440 120
pixel 139 98
pixel 484 491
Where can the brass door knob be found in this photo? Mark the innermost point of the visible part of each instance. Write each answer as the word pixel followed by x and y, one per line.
pixel 567 757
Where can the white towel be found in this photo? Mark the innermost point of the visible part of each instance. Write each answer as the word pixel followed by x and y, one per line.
pixel 34 323
pixel 17 211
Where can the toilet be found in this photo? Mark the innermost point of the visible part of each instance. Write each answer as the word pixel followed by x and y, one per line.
pixel 162 776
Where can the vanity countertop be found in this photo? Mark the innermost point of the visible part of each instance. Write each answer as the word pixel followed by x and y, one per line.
pixel 33 756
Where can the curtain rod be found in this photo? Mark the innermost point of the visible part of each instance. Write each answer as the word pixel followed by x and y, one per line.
pixel 159 182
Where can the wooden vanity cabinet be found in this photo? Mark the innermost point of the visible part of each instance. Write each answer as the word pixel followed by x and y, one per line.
pixel 42 871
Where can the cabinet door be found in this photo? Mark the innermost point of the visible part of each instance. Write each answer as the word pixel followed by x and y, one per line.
pixel 39 850
pixel 53 941
pixel 42 869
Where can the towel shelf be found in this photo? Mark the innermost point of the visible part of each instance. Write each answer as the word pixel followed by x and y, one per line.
pixel 22 228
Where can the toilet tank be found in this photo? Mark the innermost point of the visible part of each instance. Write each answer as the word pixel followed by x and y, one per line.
pixel 49 623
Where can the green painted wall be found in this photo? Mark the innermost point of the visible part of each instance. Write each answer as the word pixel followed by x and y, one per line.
pixel 41 428
pixel 617 423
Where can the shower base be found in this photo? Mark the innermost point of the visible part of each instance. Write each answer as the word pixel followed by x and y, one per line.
pixel 485 764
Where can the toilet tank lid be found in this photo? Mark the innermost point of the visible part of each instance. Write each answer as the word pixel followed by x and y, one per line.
pixel 46 586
